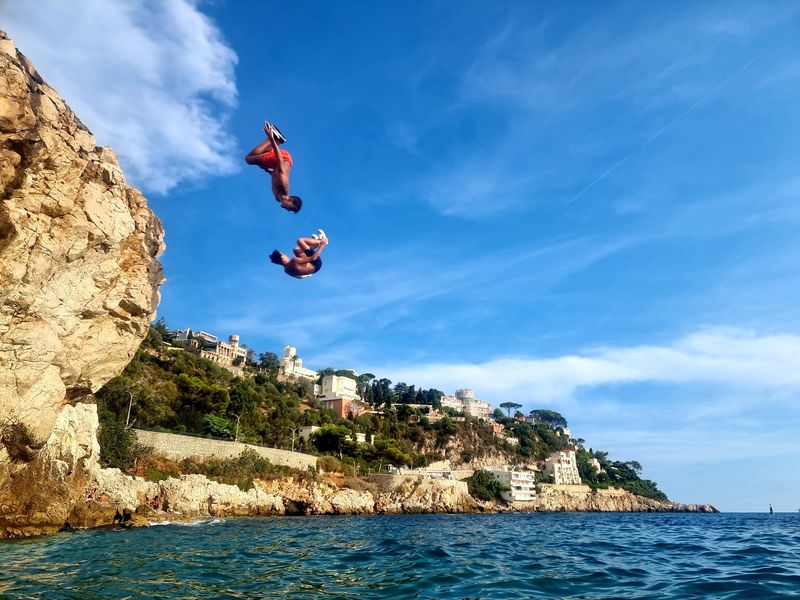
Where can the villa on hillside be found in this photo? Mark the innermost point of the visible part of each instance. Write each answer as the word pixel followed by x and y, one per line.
pixel 595 464
pixel 340 394
pixel 563 468
pixel 464 401
pixel 211 347
pixel 291 367
pixel 521 484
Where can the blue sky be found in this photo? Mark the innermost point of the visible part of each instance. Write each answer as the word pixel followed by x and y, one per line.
pixel 588 207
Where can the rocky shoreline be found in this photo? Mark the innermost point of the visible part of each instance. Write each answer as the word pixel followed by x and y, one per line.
pixel 82 494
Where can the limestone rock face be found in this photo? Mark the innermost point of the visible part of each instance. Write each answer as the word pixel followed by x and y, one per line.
pixel 79 274
pixel 79 280
pixel 419 495
pixel 581 498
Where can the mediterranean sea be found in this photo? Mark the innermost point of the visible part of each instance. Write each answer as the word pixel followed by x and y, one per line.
pixel 538 555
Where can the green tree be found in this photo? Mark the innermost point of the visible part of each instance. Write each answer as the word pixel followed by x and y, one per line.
pixel 553 419
pixel 269 361
pixel 362 385
pixel 331 438
pixel 118 446
pixel 218 426
pixel 509 406
pixel 483 486
pixel 161 327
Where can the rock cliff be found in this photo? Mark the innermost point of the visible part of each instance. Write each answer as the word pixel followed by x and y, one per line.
pixel 79 280
pixel 581 498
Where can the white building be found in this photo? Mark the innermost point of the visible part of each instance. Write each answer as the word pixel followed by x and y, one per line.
pixel 214 349
pixel 563 467
pixel 336 386
pixel 340 394
pixel 222 353
pixel 291 366
pixel 199 337
pixel 464 401
pixel 521 484
pixel 595 464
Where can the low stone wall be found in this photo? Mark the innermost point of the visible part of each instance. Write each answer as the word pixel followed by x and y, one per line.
pixel 388 481
pixel 565 487
pixel 178 447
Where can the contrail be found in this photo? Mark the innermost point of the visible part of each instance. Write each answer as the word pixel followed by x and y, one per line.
pixel 653 137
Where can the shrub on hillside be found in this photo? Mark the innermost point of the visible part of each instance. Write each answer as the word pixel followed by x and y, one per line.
pixel 331 464
pixel 483 486
pixel 239 471
pixel 118 446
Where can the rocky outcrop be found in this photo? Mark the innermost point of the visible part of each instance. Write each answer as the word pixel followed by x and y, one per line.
pixel 79 281
pixel 581 498
pixel 78 246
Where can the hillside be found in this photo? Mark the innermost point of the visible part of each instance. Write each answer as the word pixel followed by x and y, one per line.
pixel 170 387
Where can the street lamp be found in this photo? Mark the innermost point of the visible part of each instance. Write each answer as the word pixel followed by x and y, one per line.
pixel 293 432
pixel 130 402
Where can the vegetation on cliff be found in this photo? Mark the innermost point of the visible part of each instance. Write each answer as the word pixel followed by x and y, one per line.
pixel 170 387
pixel 483 486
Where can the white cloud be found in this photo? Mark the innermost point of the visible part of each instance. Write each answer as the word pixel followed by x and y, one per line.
pixel 721 357
pixel 151 79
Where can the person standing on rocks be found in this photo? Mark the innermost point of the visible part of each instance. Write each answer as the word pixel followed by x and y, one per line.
pixel 278 163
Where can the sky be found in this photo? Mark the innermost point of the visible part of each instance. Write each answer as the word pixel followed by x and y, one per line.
pixel 590 207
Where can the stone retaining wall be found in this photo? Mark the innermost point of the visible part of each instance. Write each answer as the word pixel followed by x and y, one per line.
pixel 178 447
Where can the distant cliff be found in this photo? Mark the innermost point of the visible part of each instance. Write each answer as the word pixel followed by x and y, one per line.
pixel 79 280
pixel 581 498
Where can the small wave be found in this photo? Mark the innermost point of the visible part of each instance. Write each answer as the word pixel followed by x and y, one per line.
pixel 198 523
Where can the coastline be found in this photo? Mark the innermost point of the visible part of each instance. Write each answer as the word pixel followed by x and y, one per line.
pixel 71 490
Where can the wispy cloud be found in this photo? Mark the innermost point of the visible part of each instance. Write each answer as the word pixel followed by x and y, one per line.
pixel 546 96
pixel 359 299
pixel 727 357
pixel 152 79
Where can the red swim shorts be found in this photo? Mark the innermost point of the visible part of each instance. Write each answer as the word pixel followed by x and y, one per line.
pixel 268 160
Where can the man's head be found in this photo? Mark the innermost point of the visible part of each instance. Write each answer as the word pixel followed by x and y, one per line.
pixel 277 257
pixel 292 203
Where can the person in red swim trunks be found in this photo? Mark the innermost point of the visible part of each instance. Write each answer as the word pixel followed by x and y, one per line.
pixel 278 163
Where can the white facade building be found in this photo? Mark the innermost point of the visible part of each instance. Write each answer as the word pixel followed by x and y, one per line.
pixel 292 367
pixel 223 353
pixel 214 349
pixel 336 386
pixel 522 484
pixel 595 464
pixel 464 401
pixel 563 467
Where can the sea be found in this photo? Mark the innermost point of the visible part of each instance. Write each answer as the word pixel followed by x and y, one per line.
pixel 533 555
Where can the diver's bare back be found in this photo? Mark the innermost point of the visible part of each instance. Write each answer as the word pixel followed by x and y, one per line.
pixel 280 180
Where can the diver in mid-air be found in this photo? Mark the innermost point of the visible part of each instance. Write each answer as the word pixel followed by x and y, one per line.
pixel 306 259
pixel 278 163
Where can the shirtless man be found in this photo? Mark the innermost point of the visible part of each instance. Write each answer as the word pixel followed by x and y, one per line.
pixel 306 261
pixel 277 163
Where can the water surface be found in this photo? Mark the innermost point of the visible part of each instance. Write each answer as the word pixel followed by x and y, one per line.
pixel 558 555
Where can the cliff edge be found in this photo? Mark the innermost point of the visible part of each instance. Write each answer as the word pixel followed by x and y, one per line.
pixel 79 280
